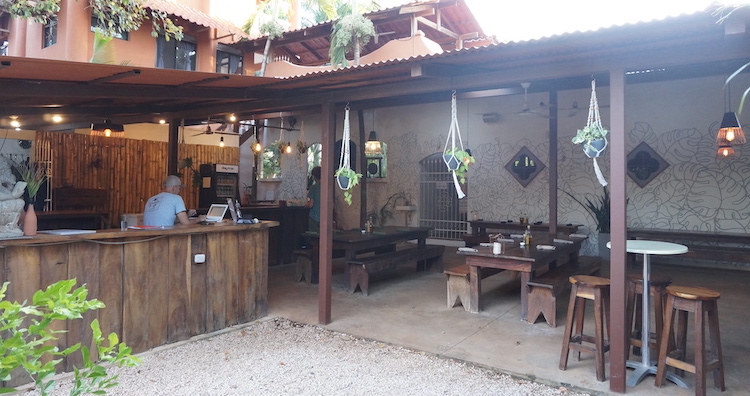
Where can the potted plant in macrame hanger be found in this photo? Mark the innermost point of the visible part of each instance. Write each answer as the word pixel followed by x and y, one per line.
pixel 455 157
pixel 593 136
pixel 346 177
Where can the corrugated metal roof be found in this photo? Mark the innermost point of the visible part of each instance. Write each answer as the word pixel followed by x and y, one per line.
pixel 195 16
pixel 670 49
pixel 615 37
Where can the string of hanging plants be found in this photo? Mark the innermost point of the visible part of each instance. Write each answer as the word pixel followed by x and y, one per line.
pixel 593 135
pixel 346 177
pixel 455 157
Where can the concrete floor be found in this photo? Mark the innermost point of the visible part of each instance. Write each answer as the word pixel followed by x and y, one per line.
pixel 409 309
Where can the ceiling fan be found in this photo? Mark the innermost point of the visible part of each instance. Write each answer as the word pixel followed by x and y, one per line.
pixel 291 120
pixel 525 109
pixel 219 128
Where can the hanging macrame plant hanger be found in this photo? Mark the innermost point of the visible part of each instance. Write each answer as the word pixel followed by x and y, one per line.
pixel 449 151
pixel 595 148
pixel 344 161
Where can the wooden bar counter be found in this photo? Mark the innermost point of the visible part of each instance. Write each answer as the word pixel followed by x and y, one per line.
pixel 155 292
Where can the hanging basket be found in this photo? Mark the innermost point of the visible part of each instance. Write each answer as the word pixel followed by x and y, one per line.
pixel 593 135
pixel 594 148
pixel 344 182
pixel 451 161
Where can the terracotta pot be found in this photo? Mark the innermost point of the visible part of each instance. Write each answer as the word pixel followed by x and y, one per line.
pixel 30 221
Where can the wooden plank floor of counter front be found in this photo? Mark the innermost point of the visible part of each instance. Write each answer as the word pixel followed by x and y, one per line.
pixel 157 288
pixel 178 298
pixel 135 299
pixel 83 265
pixel 153 290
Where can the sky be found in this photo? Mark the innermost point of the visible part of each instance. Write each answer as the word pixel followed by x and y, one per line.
pixel 515 20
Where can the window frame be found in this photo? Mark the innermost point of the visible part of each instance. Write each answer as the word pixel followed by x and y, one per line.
pixel 173 46
pixel 49 32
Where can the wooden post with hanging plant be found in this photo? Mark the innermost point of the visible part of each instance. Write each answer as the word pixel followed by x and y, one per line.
pixel 593 136
pixel 346 177
pixel 455 157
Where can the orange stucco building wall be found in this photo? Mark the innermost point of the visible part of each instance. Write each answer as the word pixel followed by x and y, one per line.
pixel 75 40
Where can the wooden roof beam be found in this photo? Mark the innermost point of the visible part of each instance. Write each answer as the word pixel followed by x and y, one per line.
pixel 312 51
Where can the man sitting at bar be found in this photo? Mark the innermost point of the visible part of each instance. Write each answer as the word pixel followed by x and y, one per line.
pixel 167 207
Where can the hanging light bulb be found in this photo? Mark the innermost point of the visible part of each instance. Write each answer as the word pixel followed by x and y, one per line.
pixel 14 122
pixel 288 148
pixel 730 132
pixel 232 117
pixel 221 142
pixel 107 129
pixel 725 152
pixel 372 146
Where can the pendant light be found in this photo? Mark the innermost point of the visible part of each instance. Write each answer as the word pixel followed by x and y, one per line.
pixel 725 152
pixel 730 132
pixel 257 147
pixel 221 142
pixel 372 146
pixel 107 129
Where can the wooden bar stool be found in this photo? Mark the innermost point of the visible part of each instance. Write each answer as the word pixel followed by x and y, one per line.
pixel 658 286
pixel 701 302
pixel 584 288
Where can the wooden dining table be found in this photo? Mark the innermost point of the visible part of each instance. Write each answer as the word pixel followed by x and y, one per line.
pixel 352 242
pixel 527 260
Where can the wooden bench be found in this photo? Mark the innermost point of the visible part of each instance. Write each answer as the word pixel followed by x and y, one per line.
pixel 303 265
pixel 303 261
pixel 361 268
pixel 544 289
pixel 705 249
pixel 459 284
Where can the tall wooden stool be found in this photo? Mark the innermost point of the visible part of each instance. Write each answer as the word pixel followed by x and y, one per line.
pixel 658 286
pixel 584 288
pixel 701 302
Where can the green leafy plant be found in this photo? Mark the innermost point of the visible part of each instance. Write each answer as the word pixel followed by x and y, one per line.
pixel 464 158
pixel 598 209
pixel 29 338
pixel 386 211
pixel 187 164
pixel 349 34
pixel 588 134
pixel 353 181
pixel 34 175
pixel 301 147
pixel 113 16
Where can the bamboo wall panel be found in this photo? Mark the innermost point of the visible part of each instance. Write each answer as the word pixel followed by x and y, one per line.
pixel 131 170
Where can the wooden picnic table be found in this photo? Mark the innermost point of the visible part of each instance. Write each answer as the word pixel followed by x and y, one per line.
pixel 524 259
pixel 354 241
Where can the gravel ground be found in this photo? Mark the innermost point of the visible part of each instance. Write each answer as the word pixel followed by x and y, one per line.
pixel 280 357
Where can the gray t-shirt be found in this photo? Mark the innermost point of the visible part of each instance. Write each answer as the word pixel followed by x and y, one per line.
pixel 162 209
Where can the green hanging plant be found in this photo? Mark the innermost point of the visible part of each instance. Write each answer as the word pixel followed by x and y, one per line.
pixel 464 160
pixel 346 179
pixel 588 134
pixel 349 33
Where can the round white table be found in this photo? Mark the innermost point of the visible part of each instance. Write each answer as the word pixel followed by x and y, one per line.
pixel 646 366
